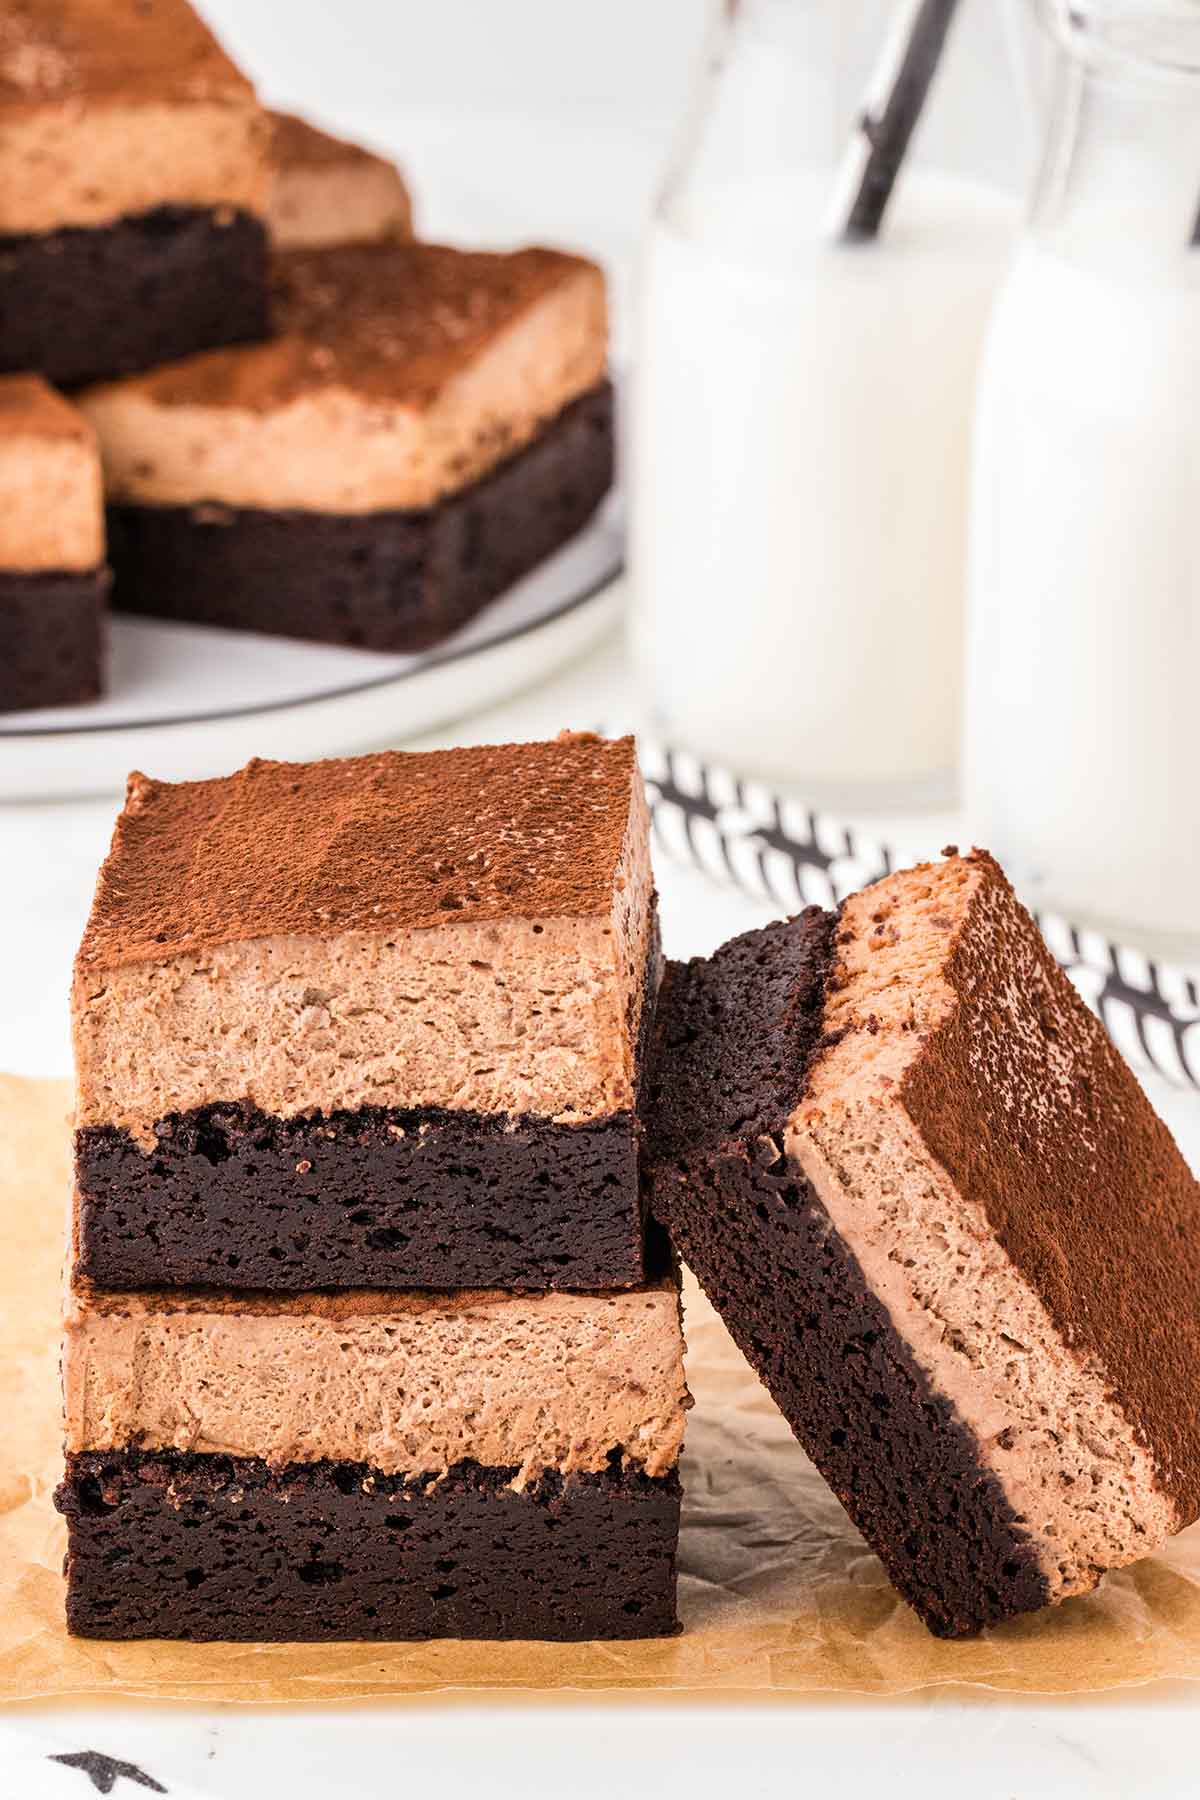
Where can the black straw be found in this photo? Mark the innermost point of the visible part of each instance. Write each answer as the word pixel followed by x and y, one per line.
pixel 886 132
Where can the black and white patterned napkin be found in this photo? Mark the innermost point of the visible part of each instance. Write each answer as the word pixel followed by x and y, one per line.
pixel 792 856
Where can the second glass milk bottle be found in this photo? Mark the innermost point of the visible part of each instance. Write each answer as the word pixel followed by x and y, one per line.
pixel 1082 735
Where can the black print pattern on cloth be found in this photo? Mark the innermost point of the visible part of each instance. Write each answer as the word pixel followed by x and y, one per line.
pixel 105 1771
pixel 787 854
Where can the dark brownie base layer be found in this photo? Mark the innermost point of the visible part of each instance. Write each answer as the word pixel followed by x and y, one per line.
pixel 236 1198
pixel 210 1547
pixel 733 1041
pixel 87 304
pixel 51 637
pixel 394 581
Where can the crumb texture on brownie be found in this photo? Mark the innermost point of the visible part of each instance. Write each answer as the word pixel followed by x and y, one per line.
pixel 469 929
pixel 51 496
pixel 200 1547
pixel 400 373
pixel 409 1383
pixel 325 190
pixel 112 107
pixel 432 1199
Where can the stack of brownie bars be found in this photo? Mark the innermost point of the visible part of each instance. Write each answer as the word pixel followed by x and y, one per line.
pixel 359 439
pixel 366 1337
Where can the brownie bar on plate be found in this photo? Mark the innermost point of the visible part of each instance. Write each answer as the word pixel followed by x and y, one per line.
pixel 429 425
pixel 944 1224
pixel 134 176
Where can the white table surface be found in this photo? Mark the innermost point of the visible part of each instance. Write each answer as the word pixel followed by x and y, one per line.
pixel 500 179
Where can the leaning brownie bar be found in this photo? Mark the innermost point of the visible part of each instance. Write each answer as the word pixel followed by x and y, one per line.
pixel 374 1021
pixel 944 1225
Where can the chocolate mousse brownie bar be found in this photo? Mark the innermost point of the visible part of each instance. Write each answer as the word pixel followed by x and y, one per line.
pixel 326 191
pixel 429 425
pixel 370 1022
pixel 132 179
pixel 945 1226
pixel 53 582
pixel 368 1465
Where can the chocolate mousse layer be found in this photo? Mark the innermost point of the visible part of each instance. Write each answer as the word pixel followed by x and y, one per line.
pixel 411 1383
pixel 427 426
pixel 377 1020
pixel 134 157
pixel 945 1226
pixel 327 191
pixel 396 581
pixel 221 1548
pixel 53 579
pixel 480 1464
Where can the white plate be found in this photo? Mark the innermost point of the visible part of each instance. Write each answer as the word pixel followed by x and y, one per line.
pixel 185 701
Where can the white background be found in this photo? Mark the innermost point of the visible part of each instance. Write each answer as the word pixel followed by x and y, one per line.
pixel 628 58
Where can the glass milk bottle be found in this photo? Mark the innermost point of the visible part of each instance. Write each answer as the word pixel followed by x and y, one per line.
pixel 800 425
pixel 1082 732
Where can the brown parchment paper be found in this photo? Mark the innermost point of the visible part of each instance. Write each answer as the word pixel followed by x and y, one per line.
pixel 778 1594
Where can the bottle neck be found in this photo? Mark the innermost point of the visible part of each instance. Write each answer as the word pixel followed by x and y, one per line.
pixel 766 107
pixel 1119 185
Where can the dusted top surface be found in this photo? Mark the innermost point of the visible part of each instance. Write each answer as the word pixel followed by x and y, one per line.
pixel 401 374
pixel 155 50
pixel 30 408
pixel 391 841
pixel 390 322
pixel 298 144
